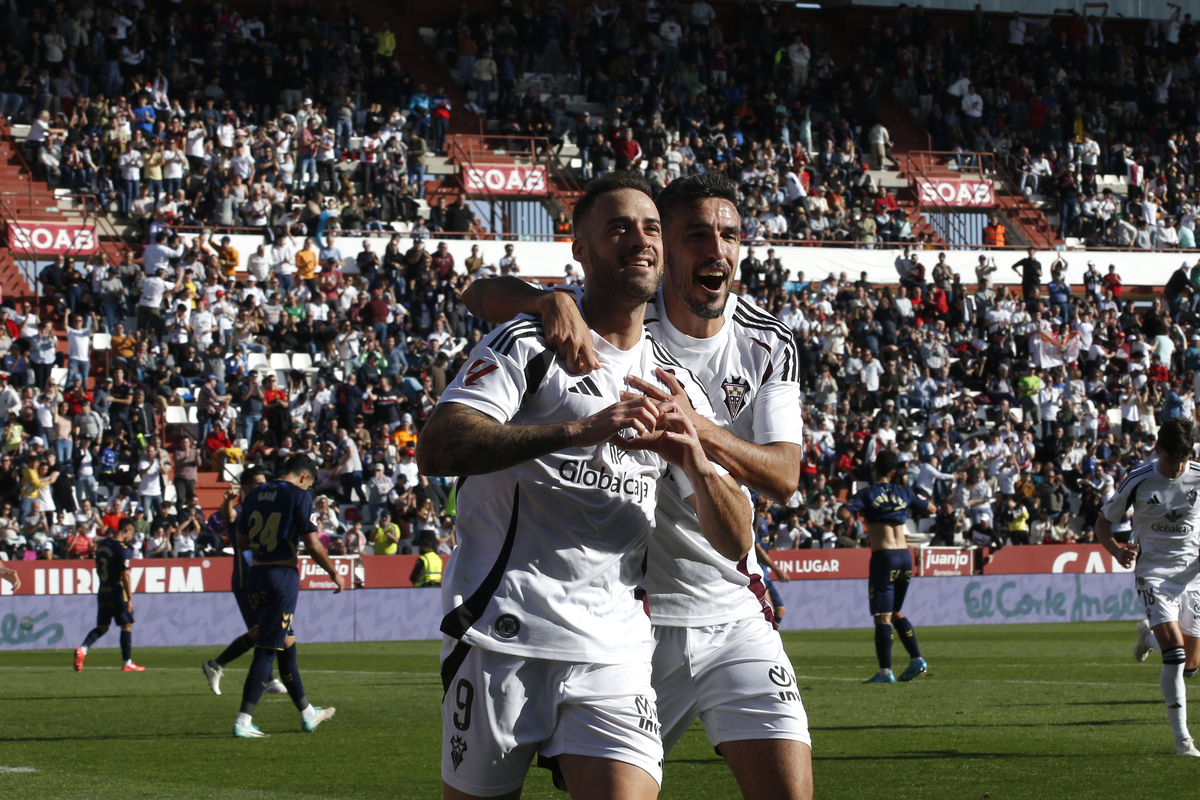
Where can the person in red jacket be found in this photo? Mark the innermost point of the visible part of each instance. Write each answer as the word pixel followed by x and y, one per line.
pixel 629 152
pixel 1112 281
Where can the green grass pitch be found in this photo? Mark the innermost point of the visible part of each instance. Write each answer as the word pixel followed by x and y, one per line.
pixel 1006 711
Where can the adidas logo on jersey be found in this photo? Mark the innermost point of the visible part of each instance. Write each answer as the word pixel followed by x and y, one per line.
pixel 585 386
pixel 1153 501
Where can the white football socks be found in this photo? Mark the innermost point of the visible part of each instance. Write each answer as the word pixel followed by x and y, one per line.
pixel 1174 691
pixel 309 713
pixel 243 720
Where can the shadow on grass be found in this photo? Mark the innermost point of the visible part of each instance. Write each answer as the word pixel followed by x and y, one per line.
pixel 966 723
pixel 938 755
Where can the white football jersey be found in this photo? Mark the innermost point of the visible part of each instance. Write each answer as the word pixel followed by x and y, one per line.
pixel 1166 522
pixel 552 551
pixel 750 374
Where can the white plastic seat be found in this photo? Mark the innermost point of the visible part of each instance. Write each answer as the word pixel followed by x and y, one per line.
pixel 101 341
pixel 59 376
pixel 257 361
pixel 280 361
pixel 193 415
pixel 177 415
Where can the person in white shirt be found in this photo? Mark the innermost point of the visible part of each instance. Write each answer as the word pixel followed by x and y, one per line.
pixel 259 264
pixel 518 630
pixel 1016 31
pixel 799 56
pixel 715 336
pixel 1162 551
pixel 79 347
pixel 972 106
pixel 130 165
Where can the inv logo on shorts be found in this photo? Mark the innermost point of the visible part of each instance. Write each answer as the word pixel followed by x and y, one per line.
pixel 783 679
pixel 457 748
pixel 507 626
pixel 647 715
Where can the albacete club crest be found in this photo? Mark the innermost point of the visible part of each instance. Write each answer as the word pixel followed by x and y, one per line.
pixel 1191 496
pixel 457 748
pixel 736 390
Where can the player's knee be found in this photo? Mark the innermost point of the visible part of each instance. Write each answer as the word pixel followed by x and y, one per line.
pixel 127 628
pixel 102 629
pixel 291 640
pixel 779 612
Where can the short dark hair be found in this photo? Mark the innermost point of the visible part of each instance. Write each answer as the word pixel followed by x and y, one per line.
pixel 126 522
pixel 1176 437
pixel 252 472
pixel 300 464
pixel 612 182
pixel 693 188
pixel 886 463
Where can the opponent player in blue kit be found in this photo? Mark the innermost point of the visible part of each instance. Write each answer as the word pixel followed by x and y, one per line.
pixel 115 597
pixel 240 584
pixel 885 506
pixel 275 517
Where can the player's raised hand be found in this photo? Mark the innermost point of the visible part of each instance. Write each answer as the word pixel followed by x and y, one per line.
pixel 673 437
pixel 632 411
pixel 674 391
pixel 11 576
pixel 567 334
pixel 339 583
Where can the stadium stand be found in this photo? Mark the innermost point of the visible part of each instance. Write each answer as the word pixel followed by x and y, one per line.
pixel 1016 407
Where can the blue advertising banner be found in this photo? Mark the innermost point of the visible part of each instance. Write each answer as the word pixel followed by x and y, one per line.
pixel 62 621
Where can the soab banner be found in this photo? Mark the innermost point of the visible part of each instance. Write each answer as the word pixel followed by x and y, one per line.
pixel 506 179
pixel 52 239
pixel 959 193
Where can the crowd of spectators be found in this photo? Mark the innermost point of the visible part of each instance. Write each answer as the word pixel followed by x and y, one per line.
pixel 1016 406
pixel 1011 406
pixel 206 116
pixel 754 95
pixel 1061 101
pixel 370 352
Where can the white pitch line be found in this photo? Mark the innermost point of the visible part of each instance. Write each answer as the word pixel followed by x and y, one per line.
pixel 17 769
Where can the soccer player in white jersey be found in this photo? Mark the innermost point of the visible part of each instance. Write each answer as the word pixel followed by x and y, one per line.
pixel 1166 521
pixel 717 655
pixel 548 643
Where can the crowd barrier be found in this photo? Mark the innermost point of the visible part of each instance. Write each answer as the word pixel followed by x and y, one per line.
pixel 55 608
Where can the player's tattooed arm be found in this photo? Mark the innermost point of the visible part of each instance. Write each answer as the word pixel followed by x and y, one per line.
pixel 564 329
pixel 458 440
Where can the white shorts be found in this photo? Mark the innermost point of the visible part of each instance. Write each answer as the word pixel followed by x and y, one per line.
pixel 500 711
pixel 734 676
pixel 1165 602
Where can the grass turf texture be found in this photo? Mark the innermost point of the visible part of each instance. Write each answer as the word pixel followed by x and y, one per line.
pixel 1006 711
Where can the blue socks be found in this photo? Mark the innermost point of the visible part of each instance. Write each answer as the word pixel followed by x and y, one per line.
pixel 126 645
pixel 289 673
pixel 257 679
pixel 908 637
pixel 883 645
pixel 92 636
pixel 238 648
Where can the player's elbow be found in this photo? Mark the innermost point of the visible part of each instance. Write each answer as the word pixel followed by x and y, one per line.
pixel 428 462
pixel 472 297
